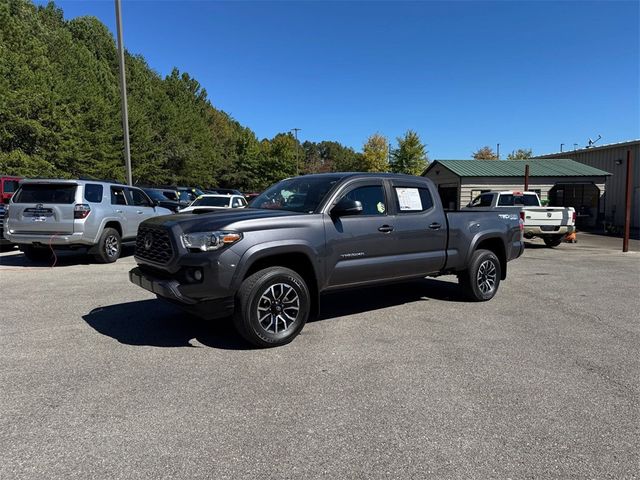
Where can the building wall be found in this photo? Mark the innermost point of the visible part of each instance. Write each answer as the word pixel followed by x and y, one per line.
pixel 612 159
pixel 473 185
pixel 443 177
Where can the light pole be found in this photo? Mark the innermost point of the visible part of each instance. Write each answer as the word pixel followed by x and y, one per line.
pixel 123 95
pixel 295 133
pixel 498 153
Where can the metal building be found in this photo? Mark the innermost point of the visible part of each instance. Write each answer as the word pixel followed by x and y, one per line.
pixel 561 182
pixel 612 158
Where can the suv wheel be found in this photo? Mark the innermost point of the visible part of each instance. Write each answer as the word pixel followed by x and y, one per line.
pixel 109 246
pixel 553 241
pixel 272 307
pixel 482 279
pixel 37 254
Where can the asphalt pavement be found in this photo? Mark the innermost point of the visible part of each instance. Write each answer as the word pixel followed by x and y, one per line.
pixel 98 379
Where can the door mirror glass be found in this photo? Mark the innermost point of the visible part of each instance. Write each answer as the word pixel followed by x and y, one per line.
pixel 347 206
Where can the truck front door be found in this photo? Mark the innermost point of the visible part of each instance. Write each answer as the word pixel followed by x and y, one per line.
pixel 360 248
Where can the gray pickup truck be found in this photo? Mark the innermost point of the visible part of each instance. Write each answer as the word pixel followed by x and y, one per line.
pixel 267 264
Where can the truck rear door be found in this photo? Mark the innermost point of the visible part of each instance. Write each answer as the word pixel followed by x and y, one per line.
pixel 43 208
pixel 420 228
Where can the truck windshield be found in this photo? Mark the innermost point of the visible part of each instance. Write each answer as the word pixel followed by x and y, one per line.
pixel 300 194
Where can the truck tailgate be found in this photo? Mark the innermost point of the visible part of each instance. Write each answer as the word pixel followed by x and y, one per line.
pixel 548 216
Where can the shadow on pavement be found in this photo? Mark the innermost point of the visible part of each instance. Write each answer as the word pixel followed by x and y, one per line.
pixel 62 259
pixel 350 302
pixel 160 324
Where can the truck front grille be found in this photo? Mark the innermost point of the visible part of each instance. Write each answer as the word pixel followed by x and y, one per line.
pixel 154 244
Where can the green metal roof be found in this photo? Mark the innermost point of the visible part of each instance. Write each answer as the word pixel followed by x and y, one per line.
pixel 515 168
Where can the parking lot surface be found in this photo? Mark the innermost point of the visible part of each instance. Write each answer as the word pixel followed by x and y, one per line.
pixel 98 379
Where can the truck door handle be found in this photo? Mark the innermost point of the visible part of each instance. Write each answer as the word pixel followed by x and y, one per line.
pixel 140 212
pixel 435 226
pixel 385 229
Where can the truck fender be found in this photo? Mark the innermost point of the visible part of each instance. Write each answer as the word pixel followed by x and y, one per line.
pixel 495 236
pixel 269 249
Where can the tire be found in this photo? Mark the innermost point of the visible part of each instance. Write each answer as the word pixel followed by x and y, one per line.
pixel 482 279
pixel 37 254
pixel 553 241
pixel 261 316
pixel 109 246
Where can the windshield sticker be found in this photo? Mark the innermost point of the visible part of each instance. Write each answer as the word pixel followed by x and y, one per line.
pixel 409 199
pixel 380 207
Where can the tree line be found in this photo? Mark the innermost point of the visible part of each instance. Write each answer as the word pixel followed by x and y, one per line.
pixel 60 116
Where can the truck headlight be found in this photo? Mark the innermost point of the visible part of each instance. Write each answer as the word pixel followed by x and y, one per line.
pixel 207 241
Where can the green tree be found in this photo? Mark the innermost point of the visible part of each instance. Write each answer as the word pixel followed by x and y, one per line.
pixel 485 153
pixel 410 157
pixel 520 154
pixel 375 154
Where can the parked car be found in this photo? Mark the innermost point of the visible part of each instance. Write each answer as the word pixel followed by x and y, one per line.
pixel 4 243
pixel 159 198
pixel 188 195
pixel 71 214
pixel 208 203
pixel 266 265
pixel 8 186
pixel 549 223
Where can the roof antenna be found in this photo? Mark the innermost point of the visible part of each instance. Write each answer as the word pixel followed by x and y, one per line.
pixel 592 142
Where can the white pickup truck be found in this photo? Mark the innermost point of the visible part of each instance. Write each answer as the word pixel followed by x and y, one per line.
pixel 549 223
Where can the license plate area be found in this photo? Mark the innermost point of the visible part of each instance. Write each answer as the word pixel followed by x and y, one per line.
pixel 38 212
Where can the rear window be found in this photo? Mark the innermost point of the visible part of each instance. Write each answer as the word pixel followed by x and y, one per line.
pixel 93 192
pixel 412 200
pixel 482 200
pixel 513 200
pixel 211 202
pixel 46 193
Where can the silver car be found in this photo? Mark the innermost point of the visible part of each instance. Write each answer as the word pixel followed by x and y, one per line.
pixel 68 214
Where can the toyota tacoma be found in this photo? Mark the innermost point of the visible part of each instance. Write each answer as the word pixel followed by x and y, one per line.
pixel 266 266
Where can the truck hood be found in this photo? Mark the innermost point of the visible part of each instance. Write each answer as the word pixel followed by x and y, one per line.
pixel 217 220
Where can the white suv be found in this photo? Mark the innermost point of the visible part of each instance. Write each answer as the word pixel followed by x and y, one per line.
pixel 70 214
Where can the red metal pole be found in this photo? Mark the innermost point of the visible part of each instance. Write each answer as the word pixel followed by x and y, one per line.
pixel 526 177
pixel 627 204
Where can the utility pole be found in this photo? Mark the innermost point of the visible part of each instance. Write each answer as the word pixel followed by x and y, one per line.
pixel 498 153
pixel 561 145
pixel 295 132
pixel 123 95
pixel 627 202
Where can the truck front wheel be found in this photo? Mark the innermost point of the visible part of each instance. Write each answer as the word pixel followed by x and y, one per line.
pixel 272 307
pixel 482 279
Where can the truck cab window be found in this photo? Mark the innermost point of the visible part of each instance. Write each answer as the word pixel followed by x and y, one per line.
pixel 372 199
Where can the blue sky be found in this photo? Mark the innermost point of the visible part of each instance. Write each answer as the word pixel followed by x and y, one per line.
pixel 462 74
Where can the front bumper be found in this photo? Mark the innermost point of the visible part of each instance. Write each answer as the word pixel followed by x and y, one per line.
pixel 165 288
pixel 169 289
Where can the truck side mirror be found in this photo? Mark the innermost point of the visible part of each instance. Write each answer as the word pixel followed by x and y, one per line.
pixel 347 206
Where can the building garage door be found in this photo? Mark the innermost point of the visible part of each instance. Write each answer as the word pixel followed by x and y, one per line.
pixel 584 197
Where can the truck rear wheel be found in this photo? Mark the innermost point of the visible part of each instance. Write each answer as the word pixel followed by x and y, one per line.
pixel 553 241
pixel 272 307
pixel 109 246
pixel 482 279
